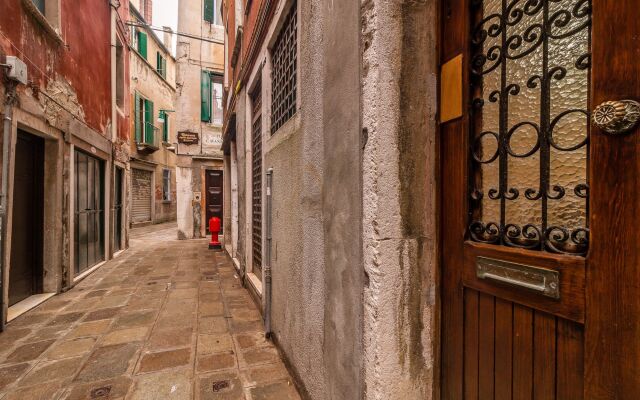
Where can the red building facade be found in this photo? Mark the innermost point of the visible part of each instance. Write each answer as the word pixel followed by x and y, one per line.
pixel 67 125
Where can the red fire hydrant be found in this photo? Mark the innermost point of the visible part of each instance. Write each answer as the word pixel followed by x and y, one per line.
pixel 214 228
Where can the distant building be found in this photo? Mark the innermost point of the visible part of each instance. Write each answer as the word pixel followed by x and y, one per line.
pixel 153 92
pixel 199 81
pixel 66 164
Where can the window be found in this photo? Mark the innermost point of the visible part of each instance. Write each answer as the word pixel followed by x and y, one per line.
pixel 283 74
pixel 211 98
pixel 40 5
pixel 119 75
pixel 144 128
pixel 161 65
pixel 47 12
pixel 212 11
pixel 166 185
pixel 140 40
pixel 164 116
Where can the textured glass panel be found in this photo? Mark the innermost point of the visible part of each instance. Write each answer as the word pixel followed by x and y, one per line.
pixel 530 74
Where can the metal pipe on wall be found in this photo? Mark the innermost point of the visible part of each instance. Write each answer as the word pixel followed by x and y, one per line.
pixel 267 267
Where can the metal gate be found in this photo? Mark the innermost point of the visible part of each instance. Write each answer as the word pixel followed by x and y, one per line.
pixel 141 195
pixel 89 212
pixel 257 180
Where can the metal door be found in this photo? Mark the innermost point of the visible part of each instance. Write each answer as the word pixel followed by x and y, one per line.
pixel 117 209
pixel 540 179
pixel 25 268
pixel 89 212
pixel 141 190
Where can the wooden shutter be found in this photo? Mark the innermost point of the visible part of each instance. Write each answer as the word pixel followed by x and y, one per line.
pixel 137 119
pixel 148 119
pixel 142 44
pixel 205 94
pixel 208 10
pixel 164 68
pixel 165 127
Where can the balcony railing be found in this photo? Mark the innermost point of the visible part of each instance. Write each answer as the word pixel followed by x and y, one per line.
pixel 150 139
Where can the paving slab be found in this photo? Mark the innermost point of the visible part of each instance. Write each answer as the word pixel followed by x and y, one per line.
pixel 166 319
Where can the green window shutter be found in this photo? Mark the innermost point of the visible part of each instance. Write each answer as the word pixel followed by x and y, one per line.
pixel 205 94
pixel 164 68
pixel 142 44
pixel 148 121
pixel 165 127
pixel 209 10
pixel 137 119
pixel 158 62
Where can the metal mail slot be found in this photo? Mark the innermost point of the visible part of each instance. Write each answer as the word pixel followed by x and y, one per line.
pixel 541 280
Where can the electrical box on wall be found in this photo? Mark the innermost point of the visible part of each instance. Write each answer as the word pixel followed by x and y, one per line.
pixel 17 69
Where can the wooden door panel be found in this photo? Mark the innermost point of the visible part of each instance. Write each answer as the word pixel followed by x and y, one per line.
pixel 572 279
pixel 515 352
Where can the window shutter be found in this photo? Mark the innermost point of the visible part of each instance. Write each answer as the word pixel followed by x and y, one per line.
pixel 205 94
pixel 209 10
pixel 164 68
pixel 142 44
pixel 165 127
pixel 148 119
pixel 138 122
pixel 158 62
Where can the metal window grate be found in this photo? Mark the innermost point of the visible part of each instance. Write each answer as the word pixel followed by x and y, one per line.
pixel 283 77
pixel 256 148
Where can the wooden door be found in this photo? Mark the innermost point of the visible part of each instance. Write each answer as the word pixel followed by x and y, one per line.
pixel 89 212
pixel 25 273
pixel 214 198
pixel 539 252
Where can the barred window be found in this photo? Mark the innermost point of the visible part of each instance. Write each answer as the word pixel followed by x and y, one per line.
pixel 283 75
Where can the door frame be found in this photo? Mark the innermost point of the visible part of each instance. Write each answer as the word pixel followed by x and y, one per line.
pixel 54 149
pixel 612 316
pixel 106 207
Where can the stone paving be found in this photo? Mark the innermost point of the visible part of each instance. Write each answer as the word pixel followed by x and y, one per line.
pixel 167 319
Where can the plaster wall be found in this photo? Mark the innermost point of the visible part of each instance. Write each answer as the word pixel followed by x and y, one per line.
pixel 399 59
pixel 148 83
pixel 194 56
pixel 316 251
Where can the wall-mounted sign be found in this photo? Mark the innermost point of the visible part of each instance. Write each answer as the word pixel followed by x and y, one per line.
pixel 188 138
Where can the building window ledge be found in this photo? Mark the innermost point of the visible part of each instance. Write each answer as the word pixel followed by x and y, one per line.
pixel 43 21
pixel 146 148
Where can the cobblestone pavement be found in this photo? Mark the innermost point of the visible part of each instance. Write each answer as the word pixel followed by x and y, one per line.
pixel 167 319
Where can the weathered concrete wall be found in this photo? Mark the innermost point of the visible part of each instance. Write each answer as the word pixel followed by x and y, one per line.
pixel 401 330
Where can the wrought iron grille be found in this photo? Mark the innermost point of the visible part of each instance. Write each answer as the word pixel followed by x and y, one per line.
pixel 256 148
pixel 283 76
pixel 529 124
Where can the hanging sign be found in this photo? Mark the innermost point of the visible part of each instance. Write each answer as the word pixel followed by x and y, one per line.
pixel 188 138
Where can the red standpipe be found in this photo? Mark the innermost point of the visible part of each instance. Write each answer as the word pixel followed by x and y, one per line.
pixel 214 228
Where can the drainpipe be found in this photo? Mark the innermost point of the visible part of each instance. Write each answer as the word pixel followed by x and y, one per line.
pixel 267 267
pixel 10 98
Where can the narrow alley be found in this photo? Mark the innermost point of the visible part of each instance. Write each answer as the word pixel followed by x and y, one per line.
pixel 167 319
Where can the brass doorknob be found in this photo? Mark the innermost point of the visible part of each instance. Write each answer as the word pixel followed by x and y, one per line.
pixel 617 117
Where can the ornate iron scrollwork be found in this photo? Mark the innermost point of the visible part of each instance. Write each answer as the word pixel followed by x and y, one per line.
pixel 509 32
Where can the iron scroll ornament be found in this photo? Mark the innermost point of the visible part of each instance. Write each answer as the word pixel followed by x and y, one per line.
pixel 617 117
pixel 517 32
